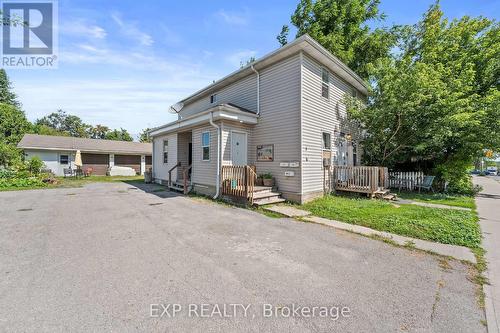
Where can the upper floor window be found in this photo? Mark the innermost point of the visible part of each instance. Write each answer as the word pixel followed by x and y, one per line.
pixel 213 98
pixel 64 159
pixel 205 146
pixel 165 151
pixel 354 92
pixel 325 84
pixel 327 141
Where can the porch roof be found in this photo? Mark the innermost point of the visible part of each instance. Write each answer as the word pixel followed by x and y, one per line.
pixel 225 111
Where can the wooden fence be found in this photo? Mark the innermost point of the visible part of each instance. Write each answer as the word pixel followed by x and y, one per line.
pixel 238 181
pixel 361 179
pixel 405 180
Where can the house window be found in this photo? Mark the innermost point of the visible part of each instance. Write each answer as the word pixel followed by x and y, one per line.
pixel 165 151
pixel 325 84
pixel 205 146
pixel 213 98
pixel 64 159
pixel 327 141
pixel 354 93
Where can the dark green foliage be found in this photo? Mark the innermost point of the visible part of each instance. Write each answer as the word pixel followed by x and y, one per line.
pixel 7 96
pixel 144 136
pixel 341 27
pixel 13 124
pixel 119 135
pixel 436 104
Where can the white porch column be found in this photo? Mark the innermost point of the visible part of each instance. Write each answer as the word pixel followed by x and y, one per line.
pixel 143 164
pixel 111 160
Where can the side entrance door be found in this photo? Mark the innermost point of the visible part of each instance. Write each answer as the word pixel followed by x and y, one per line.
pixel 238 148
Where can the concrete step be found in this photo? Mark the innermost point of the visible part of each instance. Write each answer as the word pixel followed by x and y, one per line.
pixel 262 189
pixel 267 201
pixel 265 194
pixel 176 188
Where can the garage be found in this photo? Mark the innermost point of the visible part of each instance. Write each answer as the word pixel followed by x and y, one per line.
pixel 131 161
pixel 98 162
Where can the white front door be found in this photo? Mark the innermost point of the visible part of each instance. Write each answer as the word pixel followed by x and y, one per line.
pixel 239 148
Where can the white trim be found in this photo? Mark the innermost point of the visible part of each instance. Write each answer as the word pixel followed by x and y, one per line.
pixel 246 144
pixel 209 146
pixel 301 138
pixel 218 113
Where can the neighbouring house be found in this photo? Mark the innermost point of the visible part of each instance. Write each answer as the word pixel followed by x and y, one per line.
pixel 283 115
pixel 58 153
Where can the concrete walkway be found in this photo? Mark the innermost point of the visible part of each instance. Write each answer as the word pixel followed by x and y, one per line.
pixel 455 251
pixel 488 208
pixel 432 205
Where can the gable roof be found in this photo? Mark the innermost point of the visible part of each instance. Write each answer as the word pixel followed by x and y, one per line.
pixel 50 142
pixel 304 43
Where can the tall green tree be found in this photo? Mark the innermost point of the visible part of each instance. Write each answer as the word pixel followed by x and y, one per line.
pixel 98 131
pixel 341 26
pixel 7 96
pixel 13 124
pixel 65 123
pixel 144 136
pixel 435 103
pixel 119 135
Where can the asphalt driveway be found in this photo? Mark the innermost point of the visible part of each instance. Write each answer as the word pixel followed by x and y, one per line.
pixel 112 257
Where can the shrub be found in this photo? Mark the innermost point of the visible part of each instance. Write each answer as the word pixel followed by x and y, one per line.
pixel 266 176
pixel 34 165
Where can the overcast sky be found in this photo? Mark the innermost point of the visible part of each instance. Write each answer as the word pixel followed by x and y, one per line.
pixel 122 63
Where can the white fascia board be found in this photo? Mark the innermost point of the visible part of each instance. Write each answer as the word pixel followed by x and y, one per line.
pixel 204 117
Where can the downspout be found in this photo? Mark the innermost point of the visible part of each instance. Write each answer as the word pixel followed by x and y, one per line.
pixel 217 179
pixel 258 89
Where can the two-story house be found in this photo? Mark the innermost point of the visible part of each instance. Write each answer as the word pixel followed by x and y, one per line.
pixel 282 114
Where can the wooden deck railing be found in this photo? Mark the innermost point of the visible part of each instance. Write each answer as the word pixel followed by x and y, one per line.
pixel 238 181
pixel 170 173
pixel 362 179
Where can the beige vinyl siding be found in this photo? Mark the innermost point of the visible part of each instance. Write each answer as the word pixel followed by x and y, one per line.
pixel 319 115
pixel 204 172
pixel 279 122
pixel 242 93
pixel 160 169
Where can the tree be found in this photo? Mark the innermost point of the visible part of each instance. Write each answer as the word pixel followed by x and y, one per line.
pixel 119 135
pixel 63 122
pixel 13 124
pixel 435 104
pixel 98 131
pixel 144 136
pixel 7 96
pixel 341 26
pixel 283 35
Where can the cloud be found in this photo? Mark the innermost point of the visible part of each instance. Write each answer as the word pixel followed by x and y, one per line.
pixel 131 103
pixel 237 57
pixel 82 29
pixel 233 18
pixel 130 30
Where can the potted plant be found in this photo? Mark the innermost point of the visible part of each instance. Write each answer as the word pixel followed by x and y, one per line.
pixel 268 179
pixel 259 181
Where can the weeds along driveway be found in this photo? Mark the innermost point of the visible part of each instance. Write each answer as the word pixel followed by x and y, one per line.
pixel 96 258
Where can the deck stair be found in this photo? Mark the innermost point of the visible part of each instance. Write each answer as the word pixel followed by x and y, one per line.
pixel 385 194
pixel 264 195
pixel 178 186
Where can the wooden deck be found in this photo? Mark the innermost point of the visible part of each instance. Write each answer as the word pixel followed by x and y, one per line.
pixel 360 179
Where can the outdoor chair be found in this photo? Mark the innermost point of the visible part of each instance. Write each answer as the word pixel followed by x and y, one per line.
pixel 426 184
pixel 68 172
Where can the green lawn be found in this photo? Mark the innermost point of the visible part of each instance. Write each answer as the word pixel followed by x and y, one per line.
pixel 440 198
pixel 435 224
pixel 77 182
